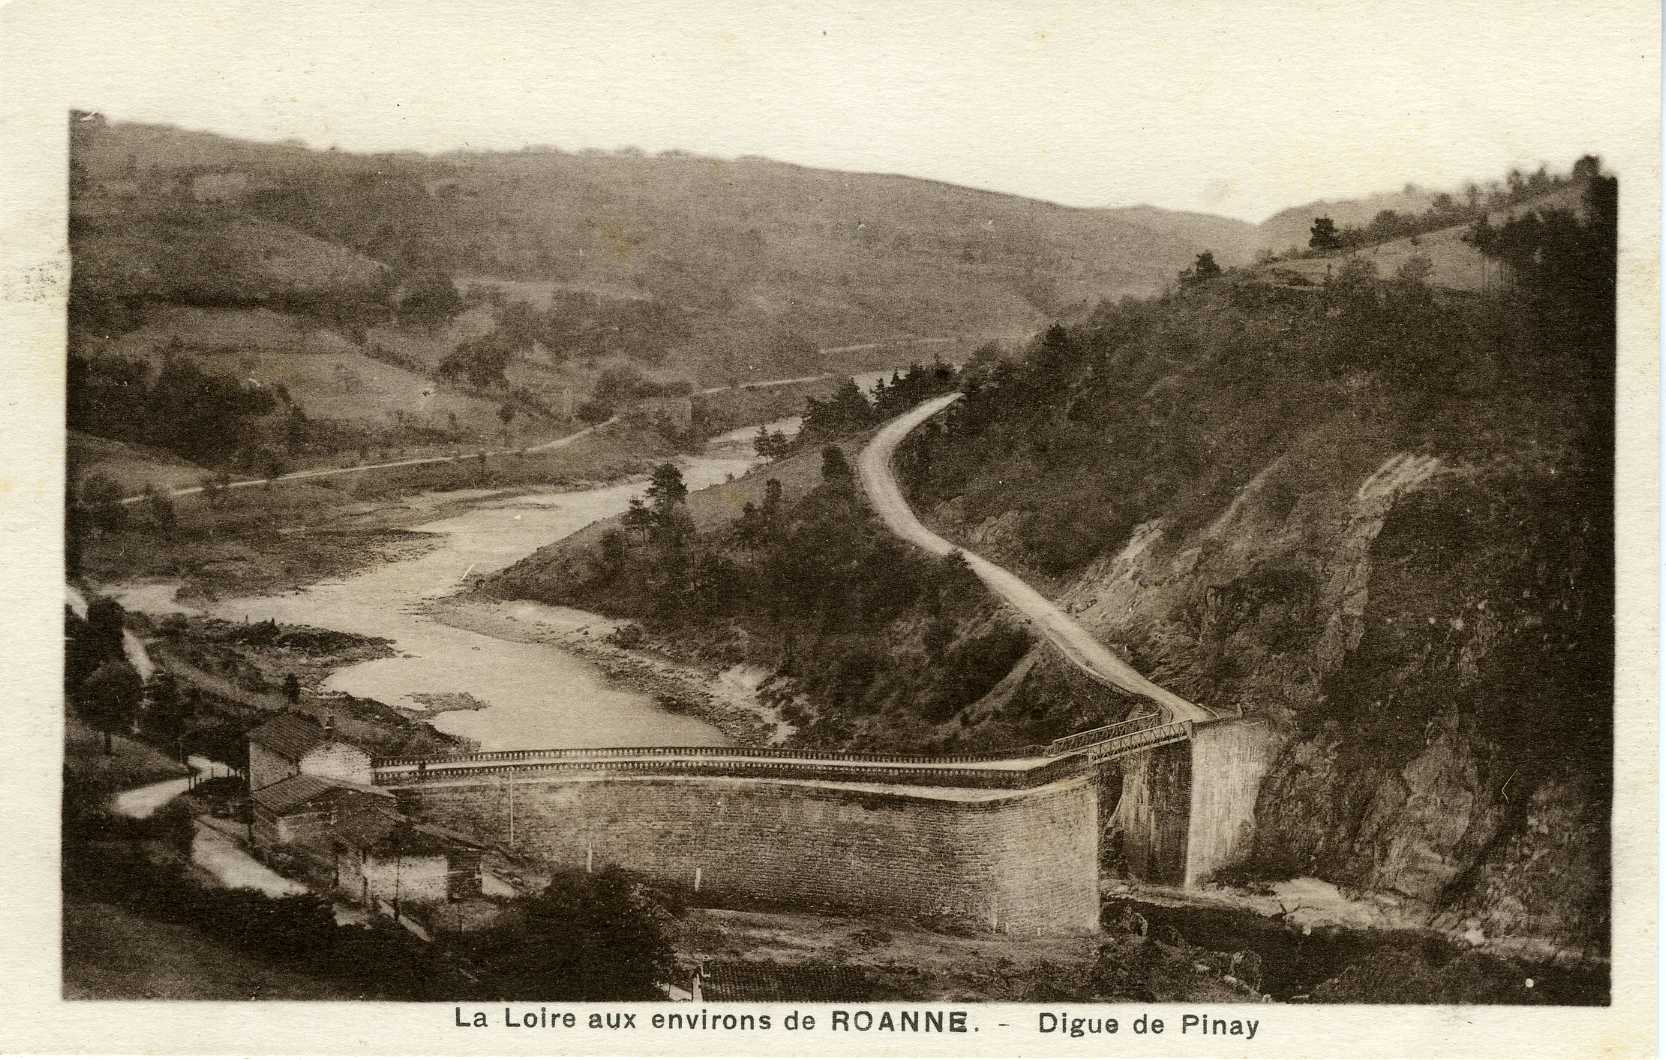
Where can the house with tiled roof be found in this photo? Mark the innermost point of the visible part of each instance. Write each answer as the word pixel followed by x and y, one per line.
pixel 290 743
pixel 301 810
pixel 382 856
pixel 313 798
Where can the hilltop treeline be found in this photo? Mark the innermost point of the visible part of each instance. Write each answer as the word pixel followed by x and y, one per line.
pixel 848 411
pixel 1168 407
pixel 1427 211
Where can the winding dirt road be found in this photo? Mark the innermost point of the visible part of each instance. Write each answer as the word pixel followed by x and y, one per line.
pixel 555 443
pixel 331 472
pixel 1078 645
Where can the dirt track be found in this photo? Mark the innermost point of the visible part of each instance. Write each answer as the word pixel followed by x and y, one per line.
pixel 1094 659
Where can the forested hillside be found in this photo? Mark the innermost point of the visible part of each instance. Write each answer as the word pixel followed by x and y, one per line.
pixel 869 643
pixel 1377 514
pixel 1374 513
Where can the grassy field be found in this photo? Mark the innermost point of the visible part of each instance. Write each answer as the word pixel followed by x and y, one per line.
pixel 326 374
pixel 262 540
pixel 1457 265
pixel 133 467
pixel 112 954
pixel 130 764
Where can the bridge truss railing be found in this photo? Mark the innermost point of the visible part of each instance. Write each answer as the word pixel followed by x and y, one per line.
pixel 1142 740
pixel 1089 737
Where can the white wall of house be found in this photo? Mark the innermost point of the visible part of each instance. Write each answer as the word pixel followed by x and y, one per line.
pixel 340 761
pixel 419 878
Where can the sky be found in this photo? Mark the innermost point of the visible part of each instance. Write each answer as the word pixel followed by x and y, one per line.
pixel 1233 108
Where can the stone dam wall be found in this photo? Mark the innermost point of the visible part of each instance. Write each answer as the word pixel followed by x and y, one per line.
pixel 1154 810
pixel 1229 759
pixel 1187 810
pixel 1022 861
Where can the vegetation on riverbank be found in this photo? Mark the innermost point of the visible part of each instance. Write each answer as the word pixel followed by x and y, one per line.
pixel 232 675
pixel 871 643
pixel 266 539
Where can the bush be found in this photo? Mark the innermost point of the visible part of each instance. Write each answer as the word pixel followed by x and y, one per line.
pixel 600 936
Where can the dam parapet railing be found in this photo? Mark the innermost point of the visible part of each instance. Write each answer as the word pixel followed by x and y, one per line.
pixel 757 769
pixel 1077 741
pixel 1010 769
pixel 714 752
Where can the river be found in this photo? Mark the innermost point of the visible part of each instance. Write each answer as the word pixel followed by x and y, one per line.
pixel 537 695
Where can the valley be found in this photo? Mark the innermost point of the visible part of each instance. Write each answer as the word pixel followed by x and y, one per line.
pixel 486 453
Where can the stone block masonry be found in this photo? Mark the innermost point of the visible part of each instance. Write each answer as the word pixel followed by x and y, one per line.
pixel 1154 811
pixel 1022 861
pixel 1229 759
pixel 1188 810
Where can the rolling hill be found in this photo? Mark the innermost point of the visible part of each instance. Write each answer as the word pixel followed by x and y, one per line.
pixel 367 283
pixel 743 247
pixel 352 279
pixel 1290 227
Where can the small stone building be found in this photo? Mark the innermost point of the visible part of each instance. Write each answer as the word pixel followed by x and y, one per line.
pixel 381 856
pixel 314 799
pixel 302 810
pixel 291 743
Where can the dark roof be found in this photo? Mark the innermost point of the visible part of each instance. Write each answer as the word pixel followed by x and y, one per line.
pixel 301 788
pixel 366 828
pixel 382 831
pixel 764 981
pixel 291 791
pixel 289 734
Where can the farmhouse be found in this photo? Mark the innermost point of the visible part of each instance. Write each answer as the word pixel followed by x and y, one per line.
pixel 313 800
pixel 381 856
pixel 292 743
pixel 301 810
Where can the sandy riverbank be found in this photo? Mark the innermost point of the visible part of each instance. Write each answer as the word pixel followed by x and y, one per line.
pixel 730 705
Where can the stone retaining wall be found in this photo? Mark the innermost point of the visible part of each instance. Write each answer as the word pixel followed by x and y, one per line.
pixel 1022 861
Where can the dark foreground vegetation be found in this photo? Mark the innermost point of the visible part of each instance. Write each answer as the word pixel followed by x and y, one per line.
pixel 601 937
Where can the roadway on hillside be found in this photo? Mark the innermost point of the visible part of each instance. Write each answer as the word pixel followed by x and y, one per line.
pixel 1078 645
pixel 543 447
pixel 353 469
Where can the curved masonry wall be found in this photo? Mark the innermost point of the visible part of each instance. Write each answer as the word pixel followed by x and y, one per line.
pixel 1020 861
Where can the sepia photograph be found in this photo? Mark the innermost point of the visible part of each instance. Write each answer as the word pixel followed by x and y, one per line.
pixel 1108 510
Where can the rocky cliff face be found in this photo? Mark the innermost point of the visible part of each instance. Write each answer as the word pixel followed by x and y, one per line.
pixel 1424 638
